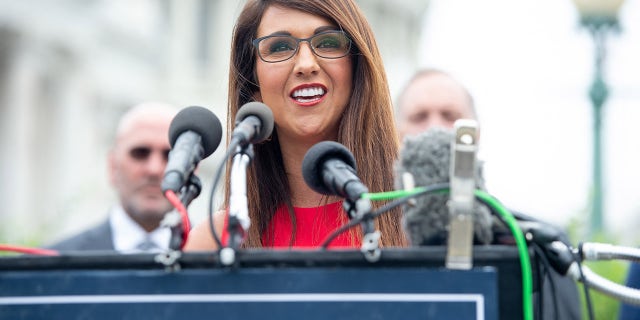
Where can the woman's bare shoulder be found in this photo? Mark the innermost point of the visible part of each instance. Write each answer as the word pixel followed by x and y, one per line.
pixel 200 238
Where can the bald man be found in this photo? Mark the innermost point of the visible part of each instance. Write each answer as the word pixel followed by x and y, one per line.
pixel 136 162
pixel 432 98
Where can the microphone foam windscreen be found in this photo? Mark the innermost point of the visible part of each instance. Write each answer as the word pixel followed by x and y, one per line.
pixel 427 156
pixel 315 158
pixel 201 121
pixel 263 112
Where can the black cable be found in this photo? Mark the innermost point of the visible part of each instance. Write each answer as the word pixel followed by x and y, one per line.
pixel 435 188
pixel 381 210
pixel 585 284
pixel 325 244
pixel 547 270
pixel 439 187
pixel 216 180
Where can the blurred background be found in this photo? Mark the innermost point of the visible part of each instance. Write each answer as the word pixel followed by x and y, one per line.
pixel 69 69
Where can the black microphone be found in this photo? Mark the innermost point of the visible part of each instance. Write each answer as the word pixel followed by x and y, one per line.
pixel 329 168
pixel 194 134
pixel 427 156
pixel 254 123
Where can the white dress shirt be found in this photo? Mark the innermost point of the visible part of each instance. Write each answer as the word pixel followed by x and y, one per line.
pixel 128 235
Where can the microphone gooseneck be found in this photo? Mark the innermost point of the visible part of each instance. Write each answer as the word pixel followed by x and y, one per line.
pixel 254 124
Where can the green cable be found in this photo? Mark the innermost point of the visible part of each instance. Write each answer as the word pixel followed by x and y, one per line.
pixel 525 263
pixel 521 244
pixel 380 196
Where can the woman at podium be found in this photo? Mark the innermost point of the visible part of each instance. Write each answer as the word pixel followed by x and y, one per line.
pixel 317 66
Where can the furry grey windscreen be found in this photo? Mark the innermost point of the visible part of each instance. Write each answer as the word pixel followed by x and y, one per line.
pixel 427 157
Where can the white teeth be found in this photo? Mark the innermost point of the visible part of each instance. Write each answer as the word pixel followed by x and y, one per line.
pixel 308 92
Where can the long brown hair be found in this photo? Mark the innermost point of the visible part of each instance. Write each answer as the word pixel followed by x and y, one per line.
pixel 367 126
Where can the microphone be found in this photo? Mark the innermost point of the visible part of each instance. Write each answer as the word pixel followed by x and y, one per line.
pixel 194 134
pixel 329 168
pixel 427 157
pixel 254 123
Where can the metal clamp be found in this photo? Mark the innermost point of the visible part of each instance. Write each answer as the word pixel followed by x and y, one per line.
pixel 169 259
pixel 370 247
pixel 464 148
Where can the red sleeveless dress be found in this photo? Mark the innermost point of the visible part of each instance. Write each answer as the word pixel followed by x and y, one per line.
pixel 313 226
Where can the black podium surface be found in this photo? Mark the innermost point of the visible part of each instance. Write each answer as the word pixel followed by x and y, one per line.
pixel 407 283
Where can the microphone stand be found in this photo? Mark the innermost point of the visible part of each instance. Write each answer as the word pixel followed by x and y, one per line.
pixel 595 251
pixel 371 237
pixel 564 260
pixel 239 221
pixel 173 221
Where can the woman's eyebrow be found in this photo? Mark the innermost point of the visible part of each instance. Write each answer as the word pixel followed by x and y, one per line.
pixel 326 28
pixel 279 33
pixel 316 31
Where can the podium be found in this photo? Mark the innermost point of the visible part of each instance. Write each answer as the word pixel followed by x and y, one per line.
pixel 409 283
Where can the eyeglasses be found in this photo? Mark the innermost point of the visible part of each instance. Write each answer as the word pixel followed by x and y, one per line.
pixel 328 45
pixel 143 153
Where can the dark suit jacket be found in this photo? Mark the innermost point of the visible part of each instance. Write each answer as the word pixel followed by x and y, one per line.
pixel 97 238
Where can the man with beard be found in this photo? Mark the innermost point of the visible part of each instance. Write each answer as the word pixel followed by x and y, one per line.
pixel 136 167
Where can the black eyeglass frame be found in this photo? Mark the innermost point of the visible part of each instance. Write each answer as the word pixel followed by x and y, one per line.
pixel 256 44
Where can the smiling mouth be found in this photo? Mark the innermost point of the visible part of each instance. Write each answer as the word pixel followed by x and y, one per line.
pixel 307 95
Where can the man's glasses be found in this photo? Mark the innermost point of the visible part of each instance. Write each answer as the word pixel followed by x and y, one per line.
pixel 143 153
pixel 328 45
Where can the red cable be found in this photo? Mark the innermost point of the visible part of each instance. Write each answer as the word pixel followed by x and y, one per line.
pixel 28 250
pixel 186 226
